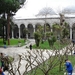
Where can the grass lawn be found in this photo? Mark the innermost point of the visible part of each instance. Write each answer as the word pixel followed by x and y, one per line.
pixel 1 42
pixel 13 42
pixel 45 45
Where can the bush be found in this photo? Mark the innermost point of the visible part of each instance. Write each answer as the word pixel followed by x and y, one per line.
pixel 52 40
pixel 37 37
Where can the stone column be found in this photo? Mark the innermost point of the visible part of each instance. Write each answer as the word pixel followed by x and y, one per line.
pixel 70 33
pixel 51 29
pixel 34 27
pixel 19 32
pixel 12 35
pixel 26 33
pixel 33 30
pixel 26 36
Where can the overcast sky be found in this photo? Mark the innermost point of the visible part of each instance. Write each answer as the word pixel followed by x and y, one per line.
pixel 32 7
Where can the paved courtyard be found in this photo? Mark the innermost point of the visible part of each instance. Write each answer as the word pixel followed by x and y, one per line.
pixel 13 51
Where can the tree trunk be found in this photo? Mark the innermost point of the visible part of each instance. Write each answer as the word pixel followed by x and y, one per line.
pixel 8 29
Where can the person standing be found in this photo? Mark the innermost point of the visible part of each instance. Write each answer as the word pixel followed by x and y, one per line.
pixel 69 67
pixel 2 60
pixel 5 45
pixel 30 46
pixel 1 72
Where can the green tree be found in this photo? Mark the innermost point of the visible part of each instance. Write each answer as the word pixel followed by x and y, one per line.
pixel 57 29
pixel 51 39
pixel 65 33
pixel 25 32
pixel 61 31
pixel 37 37
pixel 1 31
pixel 40 29
pixel 2 28
pixel 48 34
pixel 8 7
pixel 44 12
pixel 66 30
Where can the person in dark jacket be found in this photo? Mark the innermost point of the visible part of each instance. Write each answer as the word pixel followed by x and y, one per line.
pixel 69 67
pixel 30 46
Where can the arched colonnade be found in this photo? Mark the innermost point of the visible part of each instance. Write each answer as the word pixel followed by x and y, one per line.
pixel 32 24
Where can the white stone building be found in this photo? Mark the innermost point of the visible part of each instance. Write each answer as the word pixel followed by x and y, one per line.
pixel 32 23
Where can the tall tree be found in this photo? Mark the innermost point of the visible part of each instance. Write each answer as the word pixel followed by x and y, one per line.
pixel 8 7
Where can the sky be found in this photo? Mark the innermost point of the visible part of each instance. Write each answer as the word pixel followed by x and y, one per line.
pixel 32 7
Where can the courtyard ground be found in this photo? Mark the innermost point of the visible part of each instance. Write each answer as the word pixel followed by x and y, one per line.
pixel 12 51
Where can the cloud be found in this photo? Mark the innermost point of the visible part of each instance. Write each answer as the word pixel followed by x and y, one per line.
pixel 32 7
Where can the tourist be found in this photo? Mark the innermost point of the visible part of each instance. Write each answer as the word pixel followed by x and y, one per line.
pixel 30 46
pixel 1 72
pixel 69 67
pixel 5 45
pixel 2 60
